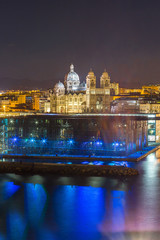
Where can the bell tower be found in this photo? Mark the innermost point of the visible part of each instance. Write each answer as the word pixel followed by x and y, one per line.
pixel 91 80
pixel 90 91
pixel 104 80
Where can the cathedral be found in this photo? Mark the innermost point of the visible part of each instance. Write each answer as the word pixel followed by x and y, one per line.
pixel 76 97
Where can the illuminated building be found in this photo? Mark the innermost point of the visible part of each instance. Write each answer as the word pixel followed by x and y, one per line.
pixel 135 105
pixel 76 97
pixel 145 90
pixel 151 89
pixel 149 107
pixel 4 105
pixel 134 91
pixel 49 134
pixel 125 105
pixel 44 105
pixel 98 99
pixel 114 88
pixel 20 101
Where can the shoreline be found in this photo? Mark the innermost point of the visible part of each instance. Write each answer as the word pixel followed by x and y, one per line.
pixel 66 169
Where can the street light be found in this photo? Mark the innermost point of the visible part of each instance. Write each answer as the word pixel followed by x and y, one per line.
pixel 4 108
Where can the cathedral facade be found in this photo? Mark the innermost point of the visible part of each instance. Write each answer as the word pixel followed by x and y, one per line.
pixel 76 97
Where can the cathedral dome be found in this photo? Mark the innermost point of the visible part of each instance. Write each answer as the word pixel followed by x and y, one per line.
pixel 72 76
pixel 59 85
pixel 59 88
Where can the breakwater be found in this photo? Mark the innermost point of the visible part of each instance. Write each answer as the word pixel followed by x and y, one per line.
pixel 65 169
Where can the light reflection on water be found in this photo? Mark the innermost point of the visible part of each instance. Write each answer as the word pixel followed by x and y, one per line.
pixel 93 208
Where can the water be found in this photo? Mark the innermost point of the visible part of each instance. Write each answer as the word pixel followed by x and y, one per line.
pixel 92 208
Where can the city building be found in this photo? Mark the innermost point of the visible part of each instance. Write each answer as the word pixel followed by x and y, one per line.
pixel 149 107
pixel 151 89
pixel 76 97
pixel 125 105
pixel 131 91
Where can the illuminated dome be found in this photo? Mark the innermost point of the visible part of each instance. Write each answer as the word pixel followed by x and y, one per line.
pixel 105 74
pixel 59 85
pixel 59 88
pixel 72 76
pixel 72 81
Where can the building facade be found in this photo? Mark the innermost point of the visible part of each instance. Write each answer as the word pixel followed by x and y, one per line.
pixel 76 97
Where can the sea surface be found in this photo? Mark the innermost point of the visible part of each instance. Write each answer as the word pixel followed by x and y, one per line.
pixel 82 208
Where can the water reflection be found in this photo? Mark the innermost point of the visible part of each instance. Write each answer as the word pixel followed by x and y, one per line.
pixel 35 200
pixel 80 211
pixel 8 189
pixel 74 208
pixel 16 226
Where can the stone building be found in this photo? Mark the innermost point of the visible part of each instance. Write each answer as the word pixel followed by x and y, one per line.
pixel 98 99
pixel 76 97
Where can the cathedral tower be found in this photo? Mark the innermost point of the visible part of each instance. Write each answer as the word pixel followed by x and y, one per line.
pixel 91 80
pixel 104 80
pixel 90 91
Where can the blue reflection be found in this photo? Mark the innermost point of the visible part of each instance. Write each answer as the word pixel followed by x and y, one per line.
pixel 90 211
pixel 2 237
pixel 46 234
pixel 35 197
pixel 98 163
pixel 112 164
pixel 9 188
pixel 118 216
pixel 78 212
pixel 122 163
pixel 64 202
pixel 15 226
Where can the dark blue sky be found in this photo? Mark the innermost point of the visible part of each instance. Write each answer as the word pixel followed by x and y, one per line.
pixel 40 38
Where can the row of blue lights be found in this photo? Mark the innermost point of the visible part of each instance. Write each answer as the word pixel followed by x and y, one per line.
pixel 70 141
pixel 118 144
pixel 15 139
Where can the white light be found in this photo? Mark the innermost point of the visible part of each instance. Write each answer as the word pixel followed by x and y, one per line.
pixel 151 116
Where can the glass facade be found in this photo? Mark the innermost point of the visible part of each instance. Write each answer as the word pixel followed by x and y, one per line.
pixel 51 135
pixel 151 130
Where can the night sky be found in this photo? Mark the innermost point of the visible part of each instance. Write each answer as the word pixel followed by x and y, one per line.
pixel 39 39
